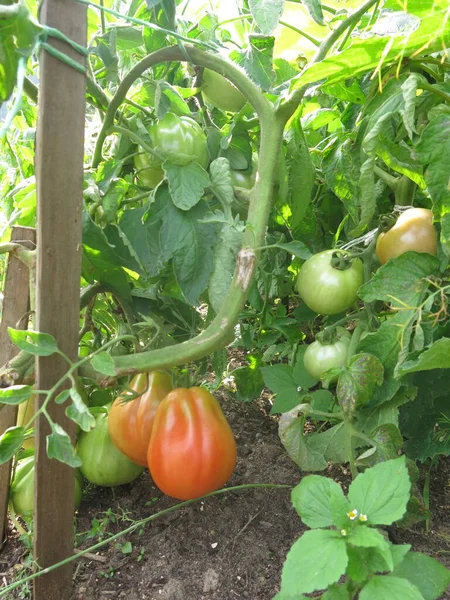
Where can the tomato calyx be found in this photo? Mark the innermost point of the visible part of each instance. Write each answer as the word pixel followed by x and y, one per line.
pixel 332 334
pixel 341 261
pixel 386 222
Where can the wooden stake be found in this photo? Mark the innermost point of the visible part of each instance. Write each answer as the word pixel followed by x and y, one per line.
pixel 59 177
pixel 15 306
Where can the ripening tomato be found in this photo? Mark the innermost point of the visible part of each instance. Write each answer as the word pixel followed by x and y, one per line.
pixel 326 289
pixel 221 93
pixel 103 463
pixel 320 357
pixel 130 423
pixel 21 491
pixel 192 449
pixel 413 230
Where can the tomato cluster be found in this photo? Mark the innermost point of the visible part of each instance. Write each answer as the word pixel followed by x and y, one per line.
pixel 182 436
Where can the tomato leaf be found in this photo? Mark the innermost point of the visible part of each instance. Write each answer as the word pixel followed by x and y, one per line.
pixel 257 60
pixel 79 412
pixel 59 446
pixel 10 442
pixel 358 380
pixel 39 344
pixel 15 394
pixel 382 492
pixel 224 263
pixel 221 187
pixel 186 184
pixel 103 363
pixel 266 13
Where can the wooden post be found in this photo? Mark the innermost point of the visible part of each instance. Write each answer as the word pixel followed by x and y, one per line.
pixel 59 183
pixel 15 306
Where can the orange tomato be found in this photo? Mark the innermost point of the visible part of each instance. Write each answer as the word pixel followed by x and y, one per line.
pixel 130 423
pixel 192 450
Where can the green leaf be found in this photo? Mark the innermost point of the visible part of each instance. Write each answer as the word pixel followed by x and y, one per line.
pixel 59 446
pixel 311 452
pixel 79 412
pixel 62 397
pixel 360 377
pixel 187 184
pixel 363 562
pixel 266 13
pixel 249 381
pixel 221 186
pixel 314 7
pixel 389 442
pixel 435 357
pixel 389 588
pixel 189 241
pixel 312 499
pixel 10 442
pixel 280 380
pixel 9 61
pixel 296 248
pixel 429 576
pixel 38 344
pixel 315 561
pixel 402 280
pixel 365 537
pixel 15 394
pixel 103 363
pixel 224 263
pixel 430 151
pixel 257 60
pixel 381 493
pixel 337 592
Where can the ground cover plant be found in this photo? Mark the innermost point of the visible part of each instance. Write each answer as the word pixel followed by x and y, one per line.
pixel 268 180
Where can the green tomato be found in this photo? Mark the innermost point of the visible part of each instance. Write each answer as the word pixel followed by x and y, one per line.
pixel 21 492
pixel 245 179
pixel 328 290
pixel 179 140
pixel 103 464
pixel 221 93
pixel 320 358
pixel 147 174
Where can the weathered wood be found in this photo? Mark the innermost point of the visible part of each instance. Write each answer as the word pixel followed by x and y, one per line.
pixel 15 306
pixel 59 177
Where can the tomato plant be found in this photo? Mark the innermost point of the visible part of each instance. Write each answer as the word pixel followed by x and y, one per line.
pixel 321 356
pixel 21 492
pixel 413 230
pixel 147 174
pixel 103 463
pixel 326 289
pixel 130 423
pixel 192 449
pixel 219 92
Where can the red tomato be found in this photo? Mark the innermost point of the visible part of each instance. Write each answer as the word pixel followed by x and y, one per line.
pixel 130 423
pixel 192 449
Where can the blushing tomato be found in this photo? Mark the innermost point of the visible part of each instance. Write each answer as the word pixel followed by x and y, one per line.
pixel 413 230
pixel 21 491
pixel 103 463
pixel 326 289
pixel 130 423
pixel 321 357
pixel 192 449
pixel 221 93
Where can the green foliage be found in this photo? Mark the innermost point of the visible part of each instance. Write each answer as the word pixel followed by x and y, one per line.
pixel 352 547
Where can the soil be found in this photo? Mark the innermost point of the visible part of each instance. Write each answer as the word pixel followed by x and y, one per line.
pixel 223 548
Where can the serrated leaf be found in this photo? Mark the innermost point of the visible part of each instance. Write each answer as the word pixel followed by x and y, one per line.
pixel 266 13
pixel 360 377
pixel 381 493
pixel 435 357
pixel 220 175
pixel 103 363
pixel 187 184
pixel 257 60
pixel 314 8
pixel 315 561
pixel 79 412
pixel 312 499
pixel 366 537
pixel 38 344
pixel 10 442
pixel 296 248
pixel 15 394
pixel 394 588
pixel 280 380
pixel 59 446
pixel 429 576
pixel 224 263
